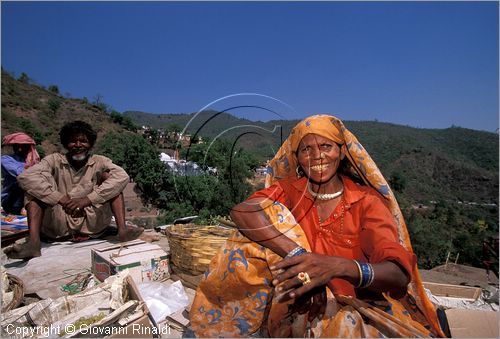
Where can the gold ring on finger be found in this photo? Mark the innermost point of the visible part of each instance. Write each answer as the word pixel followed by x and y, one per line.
pixel 304 278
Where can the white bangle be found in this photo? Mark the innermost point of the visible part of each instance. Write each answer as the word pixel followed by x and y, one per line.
pixel 296 251
pixel 360 273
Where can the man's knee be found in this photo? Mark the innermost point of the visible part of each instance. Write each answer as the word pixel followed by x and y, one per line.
pixel 103 177
pixel 35 204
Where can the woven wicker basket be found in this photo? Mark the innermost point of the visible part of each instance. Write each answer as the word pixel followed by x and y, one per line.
pixel 16 285
pixel 193 246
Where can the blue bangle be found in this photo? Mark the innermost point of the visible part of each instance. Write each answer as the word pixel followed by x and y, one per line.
pixel 299 250
pixel 372 275
pixel 366 274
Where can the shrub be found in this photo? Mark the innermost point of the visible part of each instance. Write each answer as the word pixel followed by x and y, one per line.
pixel 54 104
pixel 53 89
pixel 24 78
pixel 29 128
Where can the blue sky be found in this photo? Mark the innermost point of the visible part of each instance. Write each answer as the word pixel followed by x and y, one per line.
pixel 423 64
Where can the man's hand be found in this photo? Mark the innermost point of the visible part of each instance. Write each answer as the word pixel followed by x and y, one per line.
pixel 75 206
pixel 64 201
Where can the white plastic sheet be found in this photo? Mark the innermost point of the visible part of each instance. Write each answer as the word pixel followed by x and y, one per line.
pixel 163 298
pixel 449 302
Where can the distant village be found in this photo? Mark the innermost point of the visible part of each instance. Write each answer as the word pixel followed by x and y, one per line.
pixel 170 156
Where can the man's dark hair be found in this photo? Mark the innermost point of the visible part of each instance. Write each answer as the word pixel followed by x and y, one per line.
pixel 77 127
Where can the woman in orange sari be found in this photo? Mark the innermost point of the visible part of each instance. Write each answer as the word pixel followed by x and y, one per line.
pixel 323 251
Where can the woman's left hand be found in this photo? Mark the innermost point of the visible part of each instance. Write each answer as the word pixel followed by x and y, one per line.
pixel 320 268
pixel 313 303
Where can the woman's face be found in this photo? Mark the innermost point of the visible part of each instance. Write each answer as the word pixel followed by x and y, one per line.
pixel 319 157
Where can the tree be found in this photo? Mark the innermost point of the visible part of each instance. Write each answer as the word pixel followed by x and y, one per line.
pixel 234 168
pixel 53 89
pixel 128 124
pixel 24 78
pixel 98 99
pixel 397 182
pixel 429 239
pixel 139 159
pixel 152 136
pixel 122 120
pixel 116 117
pixel 178 195
pixel 98 102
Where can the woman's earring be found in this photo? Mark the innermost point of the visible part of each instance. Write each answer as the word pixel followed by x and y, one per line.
pixel 298 170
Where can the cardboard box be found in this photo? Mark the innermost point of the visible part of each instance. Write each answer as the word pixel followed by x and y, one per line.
pixel 145 261
pixel 465 323
pixel 453 291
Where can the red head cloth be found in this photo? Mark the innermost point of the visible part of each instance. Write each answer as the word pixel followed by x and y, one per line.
pixel 21 138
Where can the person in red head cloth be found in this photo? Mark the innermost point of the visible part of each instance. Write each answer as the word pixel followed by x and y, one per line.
pixel 25 156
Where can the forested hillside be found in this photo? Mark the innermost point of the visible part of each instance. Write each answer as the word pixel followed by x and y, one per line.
pixel 454 164
pixel 446 180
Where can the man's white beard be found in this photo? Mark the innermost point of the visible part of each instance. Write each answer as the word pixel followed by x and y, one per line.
pixel 79 157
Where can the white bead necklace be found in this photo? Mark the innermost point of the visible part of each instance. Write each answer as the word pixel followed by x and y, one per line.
pixel 325 196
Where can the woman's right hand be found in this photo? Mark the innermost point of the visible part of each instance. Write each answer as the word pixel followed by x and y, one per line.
pixel 319 268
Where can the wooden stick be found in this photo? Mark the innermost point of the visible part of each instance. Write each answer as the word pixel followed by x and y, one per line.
pixel 227 222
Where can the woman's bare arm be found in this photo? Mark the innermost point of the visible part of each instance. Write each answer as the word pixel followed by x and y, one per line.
pixel 255 225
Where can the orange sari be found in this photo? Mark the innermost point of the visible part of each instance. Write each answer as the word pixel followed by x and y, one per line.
pixel 236 299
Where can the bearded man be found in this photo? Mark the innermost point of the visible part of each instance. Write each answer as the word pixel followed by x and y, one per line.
pixel 73 195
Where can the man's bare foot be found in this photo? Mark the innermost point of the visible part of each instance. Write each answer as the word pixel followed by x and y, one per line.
pixel 130 233
pixel 23 251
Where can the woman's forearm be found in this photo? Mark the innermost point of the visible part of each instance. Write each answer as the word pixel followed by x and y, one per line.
pixel 255 225
pixel 388 277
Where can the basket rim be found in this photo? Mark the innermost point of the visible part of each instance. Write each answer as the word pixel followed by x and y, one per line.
pixel 179 233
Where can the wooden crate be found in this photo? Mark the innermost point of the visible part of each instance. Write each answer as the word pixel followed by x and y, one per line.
pixel 453 291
